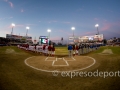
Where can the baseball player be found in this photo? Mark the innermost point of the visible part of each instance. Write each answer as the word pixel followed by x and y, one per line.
pixel 53 50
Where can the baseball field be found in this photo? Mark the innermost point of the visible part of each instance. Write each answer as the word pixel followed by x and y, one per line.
pixel 24 70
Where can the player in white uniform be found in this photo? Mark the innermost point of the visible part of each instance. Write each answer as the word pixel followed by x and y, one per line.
pixel 41 49
pixel 46 50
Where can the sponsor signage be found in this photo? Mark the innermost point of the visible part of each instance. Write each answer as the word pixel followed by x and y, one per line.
pixel 71 38
pixel 43 37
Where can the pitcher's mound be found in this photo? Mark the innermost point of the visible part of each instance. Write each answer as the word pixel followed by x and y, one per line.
pixel 107 52
pixel 50 64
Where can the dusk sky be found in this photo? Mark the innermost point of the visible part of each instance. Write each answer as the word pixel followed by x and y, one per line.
pixel 60 16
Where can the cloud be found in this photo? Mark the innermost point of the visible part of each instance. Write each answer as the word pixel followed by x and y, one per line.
pixel 63 31
pixel 6 18
pixel 96 19
pixel 52 21
pixel 29 24
pixel 21 10
pixel 80 9
pixel 19 25
pixel 110 29
pixel 90 33
pixel 105 27
pixel 87 33
pixel 4 32
pixel 10 3
pixel 67 22
pixel 16 26
pixel 116 24
pixel 110 11
pixel 55 38
pixel 6 0
pixel 108 26
pixel 10 17
pixel 55 21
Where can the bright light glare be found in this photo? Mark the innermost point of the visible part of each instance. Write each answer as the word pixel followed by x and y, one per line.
pixel 96 25
pixel 49 30
pixel 73 28
pixel 13 24
pixel 27 27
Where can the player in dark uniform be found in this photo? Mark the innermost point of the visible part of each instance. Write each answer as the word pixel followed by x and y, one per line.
pixel 73 50
pixel 35 48
pixel 79 49
pixel 49 50
pixel 76 48
pixel 53 50
pixel 85 47
pixel 43 49
pixel 82 49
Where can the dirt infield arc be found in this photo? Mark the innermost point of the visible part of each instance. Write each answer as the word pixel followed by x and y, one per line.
pixel 50 64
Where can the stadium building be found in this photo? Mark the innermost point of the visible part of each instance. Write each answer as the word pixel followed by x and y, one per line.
pixel 22 39
pixel 92 38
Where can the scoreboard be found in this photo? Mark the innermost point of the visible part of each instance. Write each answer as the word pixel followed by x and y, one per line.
pixel 43 40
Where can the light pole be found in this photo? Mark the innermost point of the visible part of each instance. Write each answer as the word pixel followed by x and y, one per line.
pixel 27 30
pixel 49 33
pixel 13 25
pixel 97 28
pixel 73 28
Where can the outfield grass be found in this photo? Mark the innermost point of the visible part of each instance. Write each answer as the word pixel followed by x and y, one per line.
pixel 61 51
pixel 15 75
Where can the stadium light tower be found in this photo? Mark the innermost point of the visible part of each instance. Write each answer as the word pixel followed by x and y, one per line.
pixel 27 30
pixel 13 25
pixel 73 28
pixel 49 32
pixel 97 28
